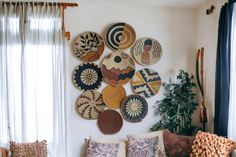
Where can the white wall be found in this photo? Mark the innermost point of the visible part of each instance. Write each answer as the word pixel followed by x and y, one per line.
pixel 207 30
pixel 174 28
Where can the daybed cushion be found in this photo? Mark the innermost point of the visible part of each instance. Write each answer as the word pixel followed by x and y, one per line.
pixel 146 145
pixel 177 145
pixel 115 145
pixel 211 145
pixel 34 149
pixel 97 149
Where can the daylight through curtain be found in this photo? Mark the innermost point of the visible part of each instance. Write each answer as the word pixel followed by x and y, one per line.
pixel 32 76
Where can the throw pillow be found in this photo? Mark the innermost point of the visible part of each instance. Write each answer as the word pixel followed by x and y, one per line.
pixel 96 149
pixel 109 140
pixel 211 145
pixel 177 145
pixel 35 149
pixel 3 152
pixel 146 145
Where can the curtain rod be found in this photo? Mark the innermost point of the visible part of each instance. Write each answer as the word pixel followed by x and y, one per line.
pixel 210 10
pixel 42 3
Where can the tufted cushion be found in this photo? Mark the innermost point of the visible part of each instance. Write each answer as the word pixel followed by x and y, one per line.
pixel 211 145
pixel 35 149
pixel 177 145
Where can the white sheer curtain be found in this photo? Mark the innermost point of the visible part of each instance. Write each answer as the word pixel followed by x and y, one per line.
pixel 32 76
pixel 232 99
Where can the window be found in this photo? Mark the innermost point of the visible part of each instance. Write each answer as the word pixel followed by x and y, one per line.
pixel 32 76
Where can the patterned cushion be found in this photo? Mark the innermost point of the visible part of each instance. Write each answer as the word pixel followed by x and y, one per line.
pixel 146 145
pixel 35 149
pixel 110 140
pixel 177 145
pixel 211 145
pixel 96 149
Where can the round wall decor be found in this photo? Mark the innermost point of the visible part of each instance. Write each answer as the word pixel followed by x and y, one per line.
pixel 120 36
pixel 147 51
pixel 90 104
pixel 134 108
pixel 146 82
pixel 88 46
pixel 113 96
pixel 87 76
pixel 118 68
pixel 110 122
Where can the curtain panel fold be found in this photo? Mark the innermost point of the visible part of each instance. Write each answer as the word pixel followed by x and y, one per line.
pixel 225 101
pixel 222 86
pixel 232 98
pixel 32 84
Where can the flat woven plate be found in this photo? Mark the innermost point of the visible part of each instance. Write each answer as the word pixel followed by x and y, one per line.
pixel 146 82
pixel 134 108
pixel 113 96
pixel 110 122
pixel 120 36
pixel 87 76
pixel 118 68
pixel 88 46
pixel 147 51
pixel 90 104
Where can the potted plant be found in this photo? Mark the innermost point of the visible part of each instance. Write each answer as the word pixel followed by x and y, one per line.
pixel 177 106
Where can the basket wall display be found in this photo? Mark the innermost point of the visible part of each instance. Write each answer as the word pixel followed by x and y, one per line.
pixel 134 108
pixel 87 76
pixel 120 36
pixel 147 51
pixel 146 82
pixel 118 68
pixel 88 46
pixel 113 96
pixel 90 104
pixel 110 122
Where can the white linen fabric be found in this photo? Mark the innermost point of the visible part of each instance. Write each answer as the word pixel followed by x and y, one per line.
pixel 232 98
pixel 32 92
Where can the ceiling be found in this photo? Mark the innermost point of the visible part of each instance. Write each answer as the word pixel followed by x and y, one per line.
pixel 167 3
pixel 176 3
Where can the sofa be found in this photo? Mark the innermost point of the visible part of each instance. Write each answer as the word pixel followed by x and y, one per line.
pixel 159 144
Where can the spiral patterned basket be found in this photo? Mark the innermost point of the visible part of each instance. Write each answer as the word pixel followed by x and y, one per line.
pixel 120 36
pixel 90 104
